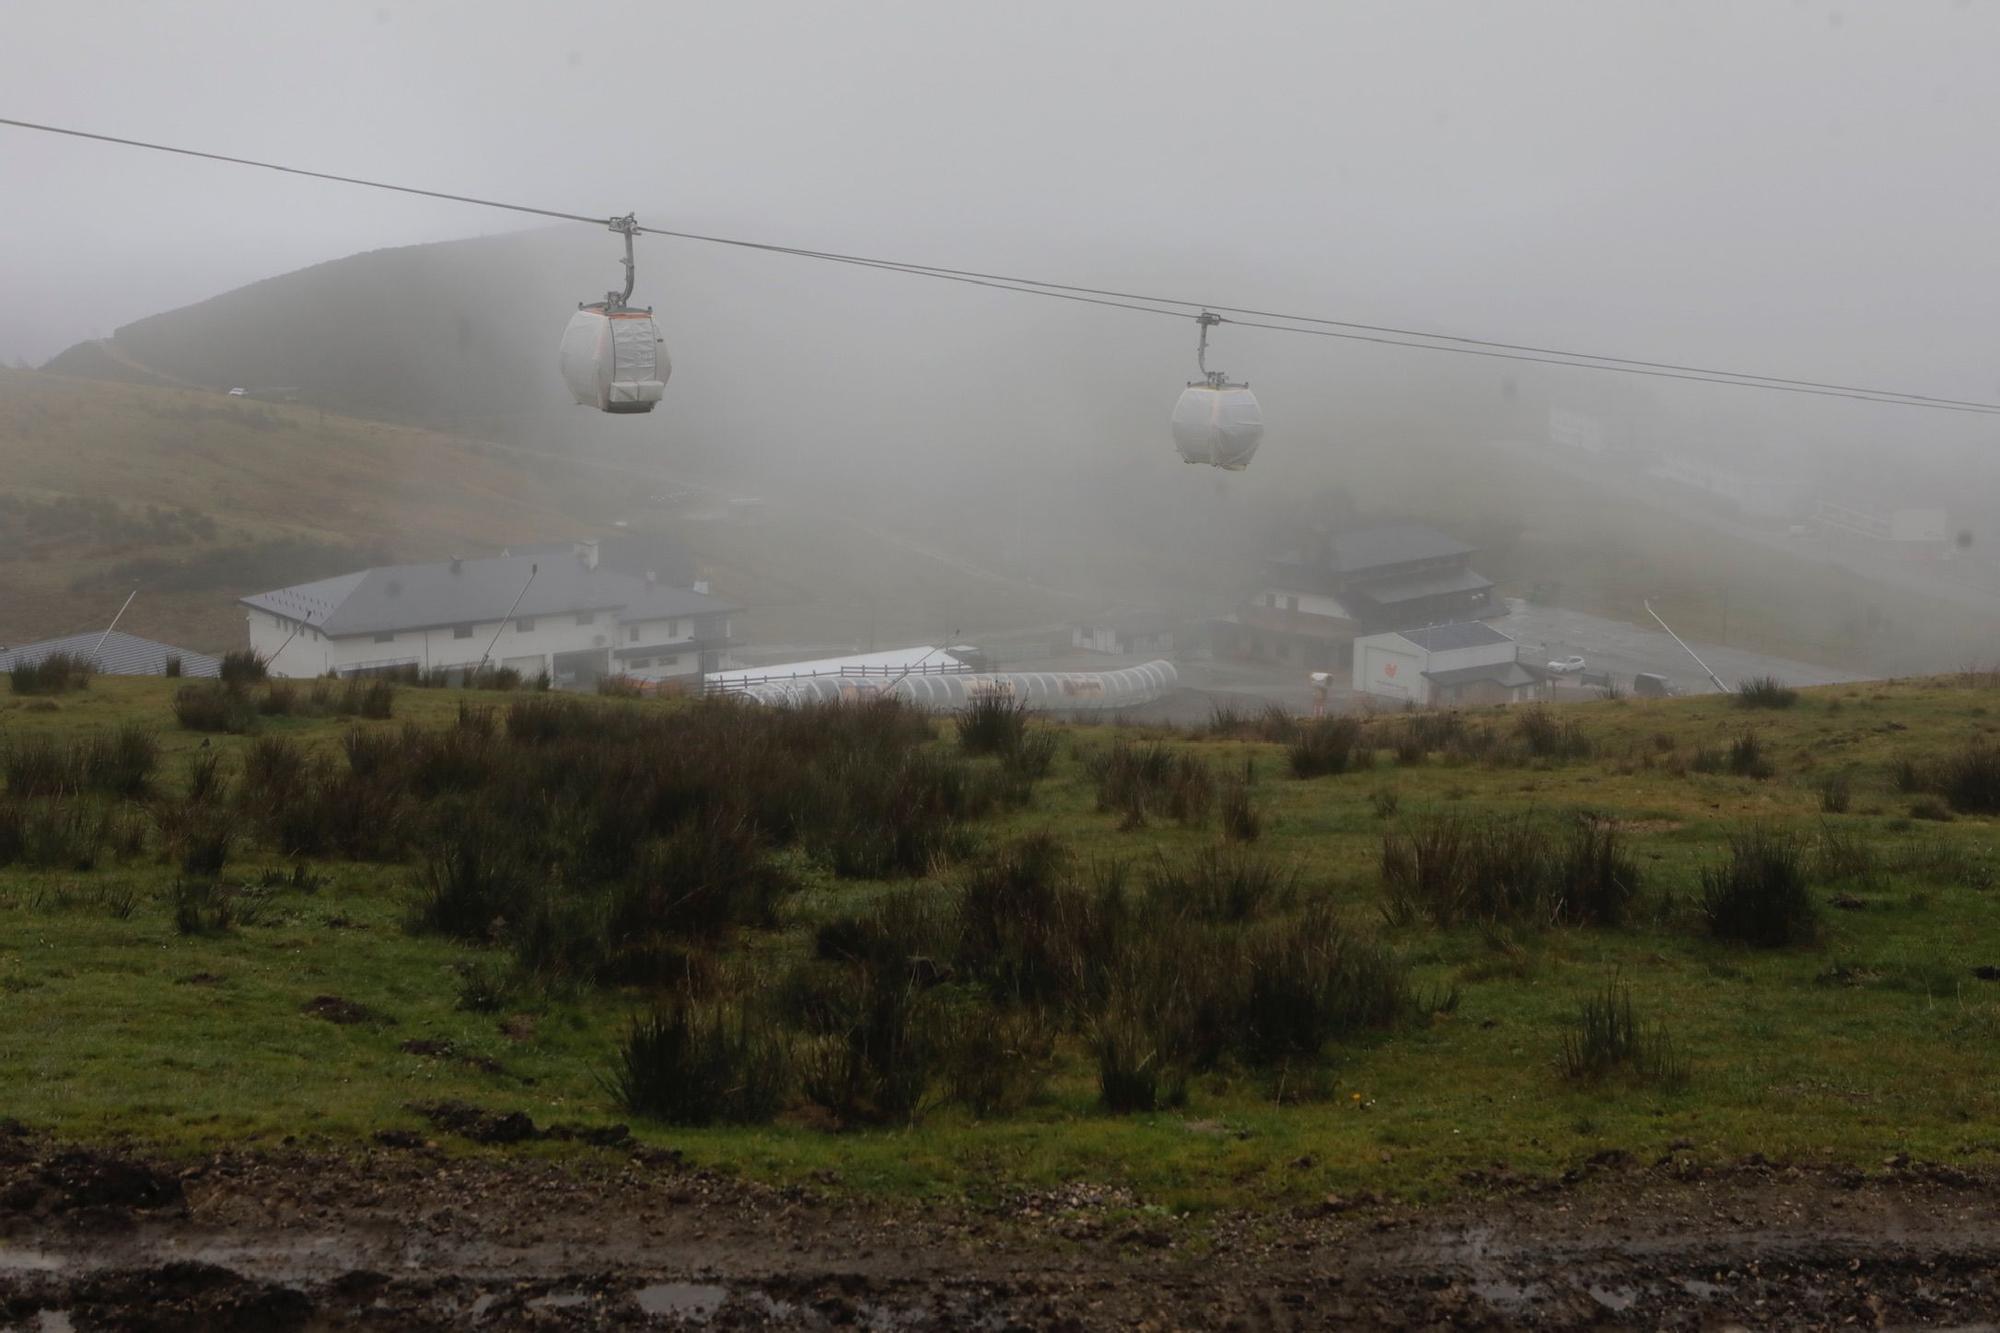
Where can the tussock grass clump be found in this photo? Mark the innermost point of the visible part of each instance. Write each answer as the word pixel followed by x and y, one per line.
pixel 58 673
pixel 1152 779
pixel 214 706
pixel 1607 1039
pixel 1549 737
pixel 39 766
pixel 56 833
pixel 1222 884
pixel 1309 981
pixel 995 1064
pixel 1597 880
pixel 1274 723
pixel 1836 794
pixel 1844 854
pixel 1760 895
pixel 468 882
pixel 1970 779
pixel 621 687
pixel 1324 746
pixel 206 906
pixel 1133 1073
pixel 877 1049
pixel 119 762
pixel 992 726
pixel 242 666
pixel 1240 820
pixel 689 1064
pixel 1032 929
pixel 1446 869
pixel 1765 692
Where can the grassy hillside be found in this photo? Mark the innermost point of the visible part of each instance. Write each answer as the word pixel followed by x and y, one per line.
pixel 110 486
pixel 1389 1039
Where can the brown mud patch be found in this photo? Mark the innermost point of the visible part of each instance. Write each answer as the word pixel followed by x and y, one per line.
pixel 633 1238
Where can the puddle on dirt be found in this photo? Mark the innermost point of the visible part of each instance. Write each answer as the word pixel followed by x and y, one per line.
pixel 559 1301
pixel 27 1261
pixel 1701 1291
pixel 1506 1295
pixel 693 1300
pixel 1615 1299
pixel 53 1321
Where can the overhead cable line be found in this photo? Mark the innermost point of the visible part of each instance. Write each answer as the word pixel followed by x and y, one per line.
pixel 1174 307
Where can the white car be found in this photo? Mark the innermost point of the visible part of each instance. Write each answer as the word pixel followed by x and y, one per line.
pixel 1567 666
pixel 239 393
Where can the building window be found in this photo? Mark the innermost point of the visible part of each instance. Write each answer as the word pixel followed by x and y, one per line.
pixel 673 629
pixel 525 624
pixel 461 631
pixel 667 661
pixel 632 635
pixel 586 617
pixel 1291 603
pixel 385 638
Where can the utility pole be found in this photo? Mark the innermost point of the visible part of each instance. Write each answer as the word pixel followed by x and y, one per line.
pixel 533 570
pixel 108 628
pixel 1684 648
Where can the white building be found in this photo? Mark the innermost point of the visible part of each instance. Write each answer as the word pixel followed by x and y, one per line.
pixel 1138 633
pixel 555 613
pixel 1465 663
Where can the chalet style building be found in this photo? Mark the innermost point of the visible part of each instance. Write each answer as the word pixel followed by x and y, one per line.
pixel 1368 580
pixel 554 611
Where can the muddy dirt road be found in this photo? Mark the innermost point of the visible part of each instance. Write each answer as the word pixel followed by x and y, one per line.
pixel 406 1237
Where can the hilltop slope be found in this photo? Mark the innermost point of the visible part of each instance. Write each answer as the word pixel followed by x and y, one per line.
pixel 111 485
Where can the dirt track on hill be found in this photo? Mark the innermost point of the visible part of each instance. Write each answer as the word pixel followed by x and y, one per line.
pixel 623 1238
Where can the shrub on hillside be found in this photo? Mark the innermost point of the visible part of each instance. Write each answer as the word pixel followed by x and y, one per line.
pixel 991 726
pixel 1549 737
pixel 1152 778
pixel 699 1065
pixel 58 673
pixel 243 666
pixel 1446 869
pixel 1970 779
pixel 1760 895
pixel 1324 746
pixel 1765 692
pixel 213 706
pixel 1607 1039
pixel 1222 884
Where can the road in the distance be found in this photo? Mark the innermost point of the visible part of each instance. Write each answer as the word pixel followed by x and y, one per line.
pixel 1548 632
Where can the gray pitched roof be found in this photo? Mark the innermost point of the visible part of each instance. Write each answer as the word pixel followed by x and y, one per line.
pixel 1388 544
pixel 1511 674
pixel 1462 634
pixel 1387 592
pixel 406 597
pixel 122 655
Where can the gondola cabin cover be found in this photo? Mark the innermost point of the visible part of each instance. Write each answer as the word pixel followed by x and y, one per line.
pixel 1220 425
pixel 615 361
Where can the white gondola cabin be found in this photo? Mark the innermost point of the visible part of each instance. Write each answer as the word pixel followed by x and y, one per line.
pixel 612 356
pixel 615 360
pixel 1216 422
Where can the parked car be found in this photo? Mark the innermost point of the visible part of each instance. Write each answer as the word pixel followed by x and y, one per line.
pixel 1567 666
pixel 239 393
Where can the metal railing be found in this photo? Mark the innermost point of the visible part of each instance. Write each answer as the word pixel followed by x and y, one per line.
pixel 742 684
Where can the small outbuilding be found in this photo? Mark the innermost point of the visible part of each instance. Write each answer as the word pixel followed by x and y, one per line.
pixel 1468 662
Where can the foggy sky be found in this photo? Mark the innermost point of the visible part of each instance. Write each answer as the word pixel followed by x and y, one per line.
pixel 1798 188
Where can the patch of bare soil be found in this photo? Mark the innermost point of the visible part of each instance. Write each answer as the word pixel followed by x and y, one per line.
pixel 632 1238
